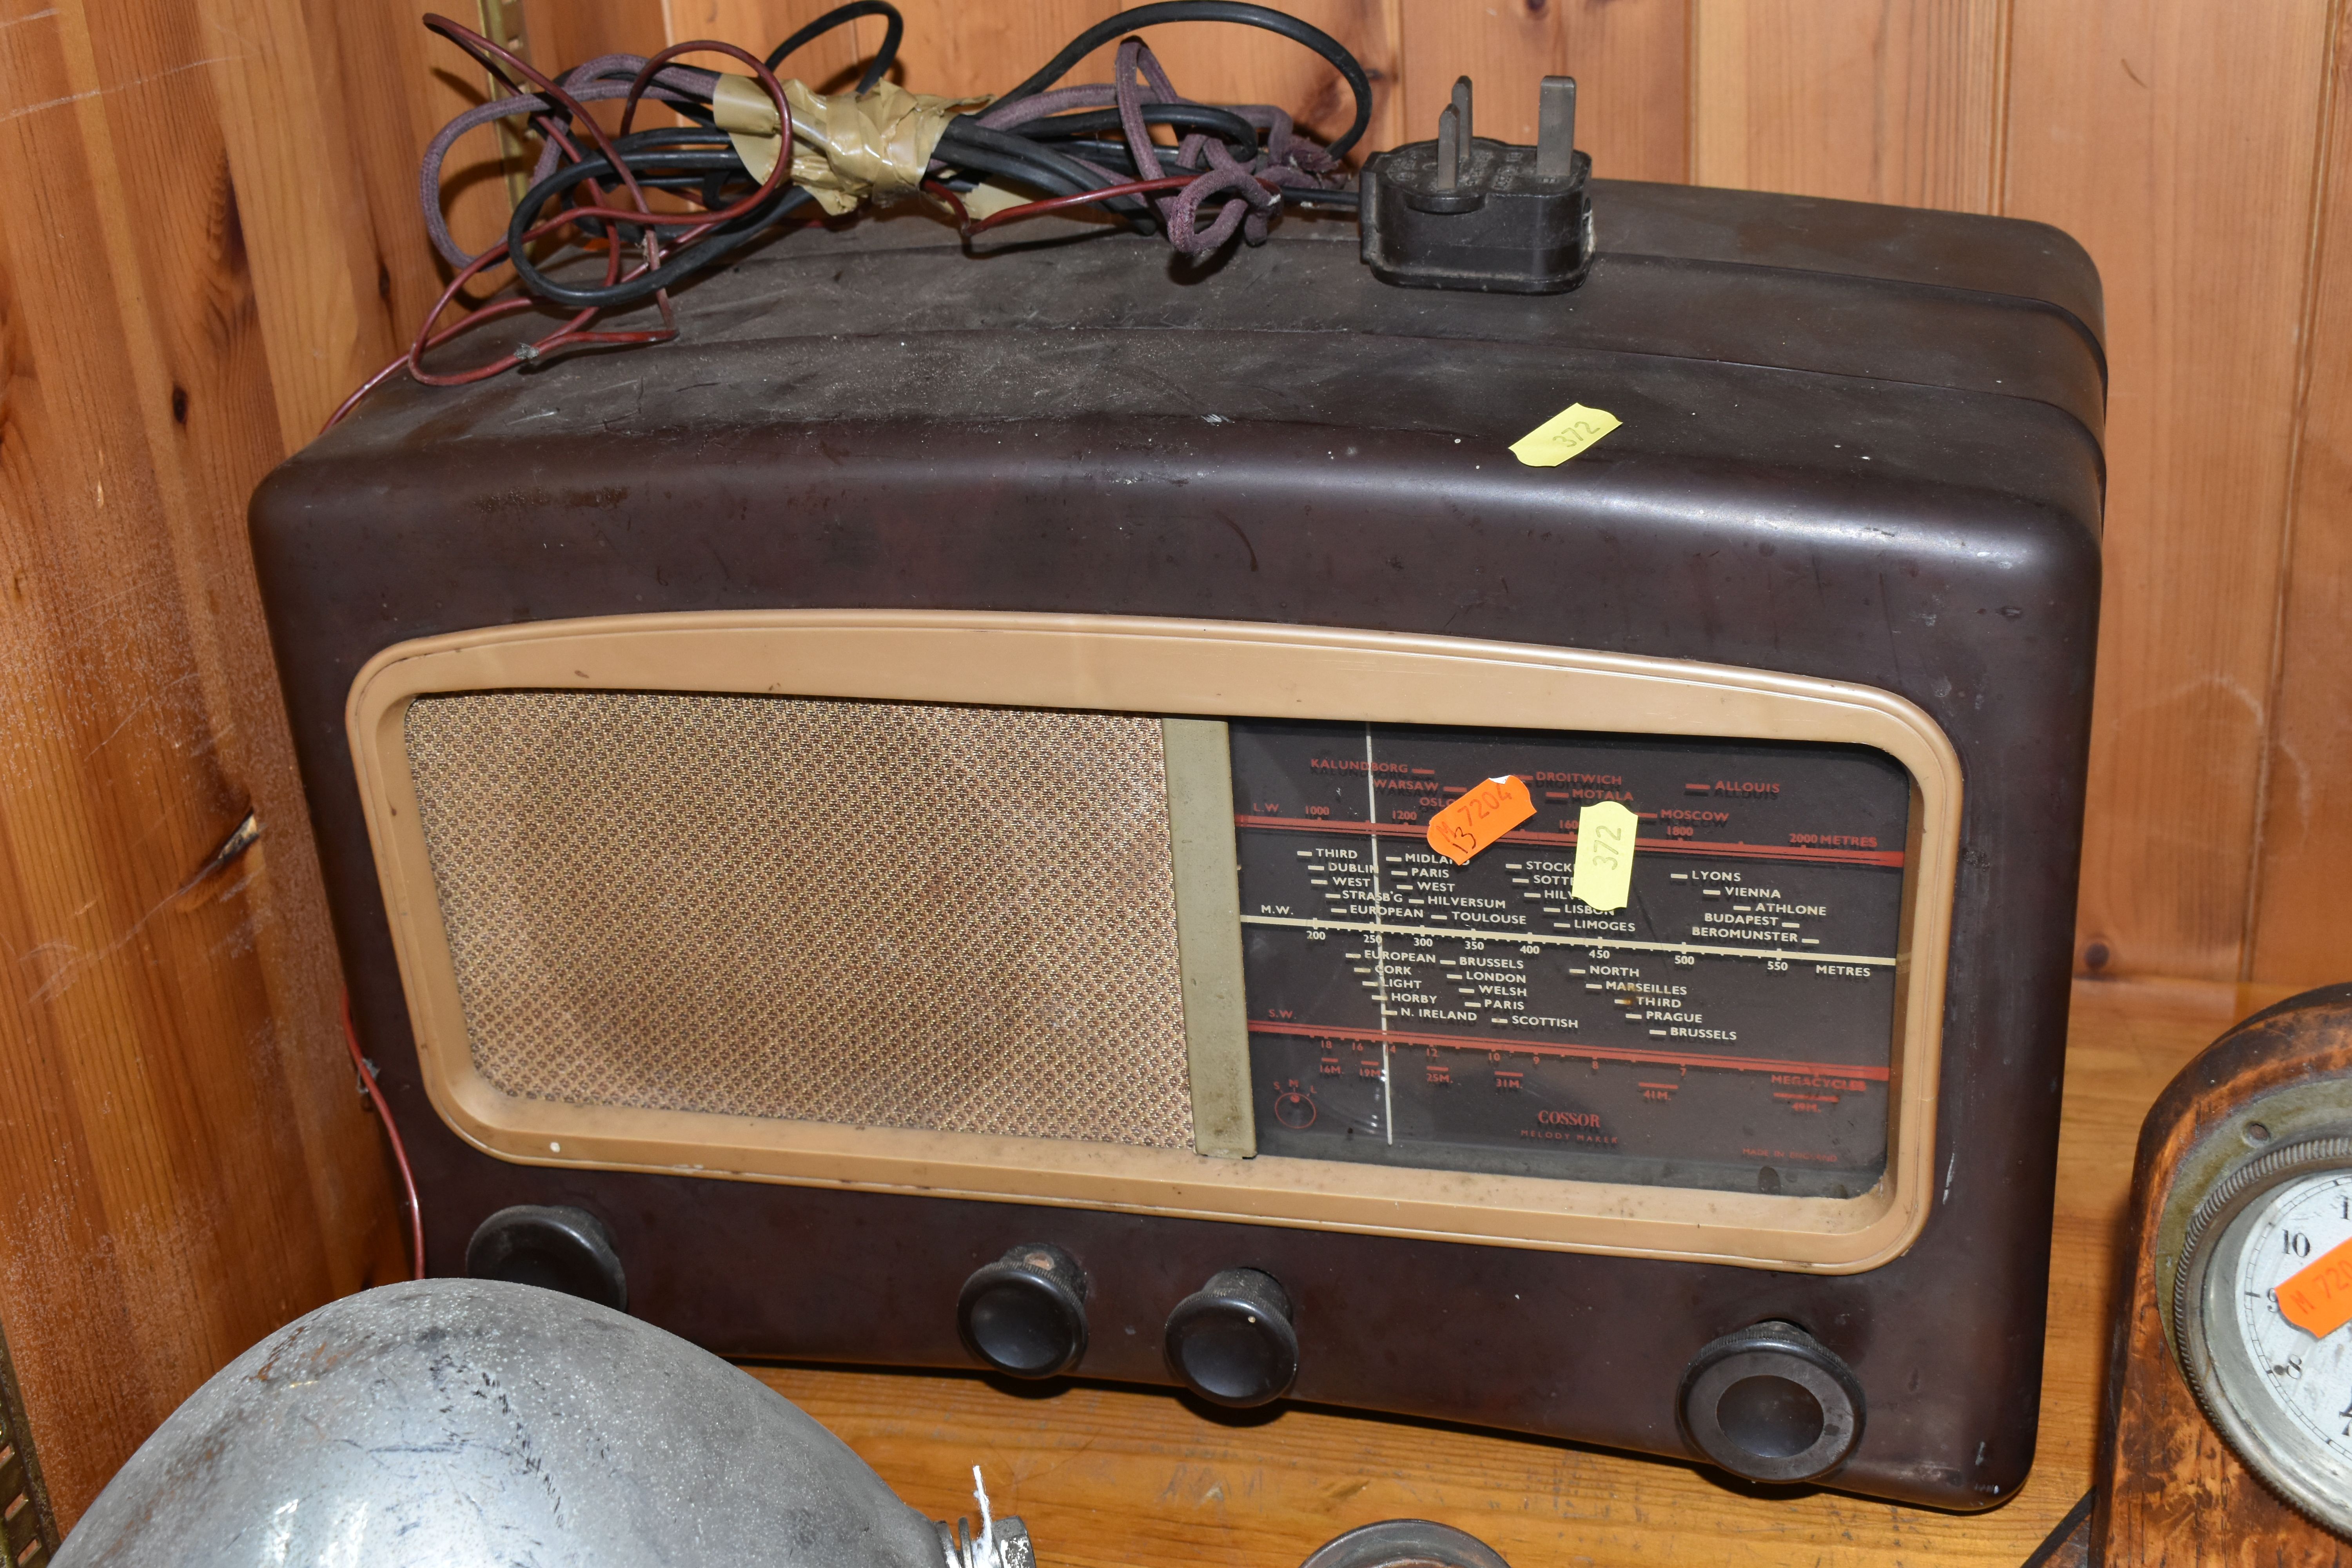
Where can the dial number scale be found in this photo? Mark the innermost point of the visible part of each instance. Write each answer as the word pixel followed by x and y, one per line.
pixel 1730 1027
pixel 2310 1379
pixel 2278 1392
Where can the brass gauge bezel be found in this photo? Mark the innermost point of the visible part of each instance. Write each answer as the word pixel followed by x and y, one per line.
pixel 2304 1473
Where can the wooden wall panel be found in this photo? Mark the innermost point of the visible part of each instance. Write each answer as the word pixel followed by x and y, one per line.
pixel 1631 60
pixel 325 325
pixel 566 31
pixel 401 84
pixel 2302 917
pixel 1873 100
pixel 2177 140
pixel 220 239
pixel 949 49
pixel 760 26
pixel 1230 65
pixel 184 1164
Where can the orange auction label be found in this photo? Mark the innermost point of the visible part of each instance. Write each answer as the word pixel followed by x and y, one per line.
pixel 1480 818
pixel 2317 1297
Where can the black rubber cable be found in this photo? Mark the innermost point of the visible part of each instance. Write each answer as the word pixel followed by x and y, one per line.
pixel 1114 155
pixel 685 166
pixel 968 144
pixel 1239 135
pixel 894 29
pixel 661 139
pixel 1235 11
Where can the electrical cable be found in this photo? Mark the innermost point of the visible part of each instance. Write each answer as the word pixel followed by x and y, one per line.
pixel 1239 135
pixel 894 29
pixel 392 1133
pixel 1235 11
pixel 1232 171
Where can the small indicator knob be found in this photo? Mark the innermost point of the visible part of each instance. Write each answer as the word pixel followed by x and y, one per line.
pixel 565 1249
pixel 1772 1403
pixel 1025 1314
pixel 1232 1342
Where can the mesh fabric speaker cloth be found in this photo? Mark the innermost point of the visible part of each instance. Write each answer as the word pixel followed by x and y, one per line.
pixel 865 913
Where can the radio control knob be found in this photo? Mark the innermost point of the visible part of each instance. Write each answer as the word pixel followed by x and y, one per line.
pixel 1232 1342
pixel 1773 1403
pixel 556 1248
pixel 1025 1314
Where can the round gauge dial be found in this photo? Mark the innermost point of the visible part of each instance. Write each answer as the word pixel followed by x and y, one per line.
pixel 2263 1321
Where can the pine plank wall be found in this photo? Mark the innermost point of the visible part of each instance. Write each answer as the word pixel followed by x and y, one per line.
pixel 212 237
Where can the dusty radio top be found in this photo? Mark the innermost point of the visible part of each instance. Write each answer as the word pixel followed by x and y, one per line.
pixel 1050 804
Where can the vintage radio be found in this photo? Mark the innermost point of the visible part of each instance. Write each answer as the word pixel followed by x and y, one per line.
pixel 896 827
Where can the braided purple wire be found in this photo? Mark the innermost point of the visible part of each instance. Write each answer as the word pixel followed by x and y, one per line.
pixel 1287 159
pixel 1226 173
pixel 603 78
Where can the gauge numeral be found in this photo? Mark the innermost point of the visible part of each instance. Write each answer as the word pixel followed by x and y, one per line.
pixel 2296 1242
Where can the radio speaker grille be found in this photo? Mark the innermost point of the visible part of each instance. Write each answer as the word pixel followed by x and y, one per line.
pixel 865 913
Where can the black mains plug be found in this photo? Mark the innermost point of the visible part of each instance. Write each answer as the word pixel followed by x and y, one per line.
pixel 1462 212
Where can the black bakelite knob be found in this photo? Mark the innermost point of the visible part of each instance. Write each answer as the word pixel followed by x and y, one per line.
pixel 1025 1314
pixel 1772 1403
pixel 564 1249
pixel 1231 1341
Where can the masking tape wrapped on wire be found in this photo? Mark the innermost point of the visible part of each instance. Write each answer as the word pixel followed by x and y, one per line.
pixel 1034 149
pixel 847 148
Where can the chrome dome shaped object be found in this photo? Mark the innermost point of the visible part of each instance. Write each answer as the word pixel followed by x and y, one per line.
pixel 455 1423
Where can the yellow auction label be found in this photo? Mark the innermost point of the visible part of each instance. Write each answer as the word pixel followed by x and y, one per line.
pixel 1563 436
pixel 1604 855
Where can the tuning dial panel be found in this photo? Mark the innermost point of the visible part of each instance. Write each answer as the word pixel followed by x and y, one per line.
pixel 1025 1314
pixel 1232 1342
pixel 1772 1403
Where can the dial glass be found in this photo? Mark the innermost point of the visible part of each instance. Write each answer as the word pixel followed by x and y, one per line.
pixel 1731 1027
pixel 2309 1380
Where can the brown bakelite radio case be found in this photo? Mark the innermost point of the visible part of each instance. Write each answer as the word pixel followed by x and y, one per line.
pixel 893 829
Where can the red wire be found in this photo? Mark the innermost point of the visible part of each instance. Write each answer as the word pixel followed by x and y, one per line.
pixel 1055 204
pixel 517 71
pixel 939 192
pixel 391 1130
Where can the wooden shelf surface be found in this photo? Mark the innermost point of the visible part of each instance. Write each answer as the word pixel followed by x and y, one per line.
pixel 1130 1478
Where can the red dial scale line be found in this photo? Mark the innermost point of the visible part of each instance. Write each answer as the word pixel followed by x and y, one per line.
pixel 1801 854
pixel 1580 1053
